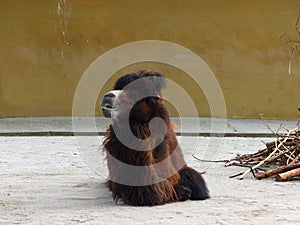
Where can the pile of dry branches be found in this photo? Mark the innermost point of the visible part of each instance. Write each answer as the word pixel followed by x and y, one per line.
pixel 280 158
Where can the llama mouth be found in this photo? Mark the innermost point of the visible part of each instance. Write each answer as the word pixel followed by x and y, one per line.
pixel 108 107
pixel 107 110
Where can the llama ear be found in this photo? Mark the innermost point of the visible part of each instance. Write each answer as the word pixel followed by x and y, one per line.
pixel 158 79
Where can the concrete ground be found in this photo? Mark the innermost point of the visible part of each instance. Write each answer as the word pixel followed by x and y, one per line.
pixel 50 177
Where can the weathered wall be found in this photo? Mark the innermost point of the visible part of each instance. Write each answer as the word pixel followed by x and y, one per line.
pixel 45 47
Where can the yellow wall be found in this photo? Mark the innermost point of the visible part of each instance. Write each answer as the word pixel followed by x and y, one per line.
pixel 45 47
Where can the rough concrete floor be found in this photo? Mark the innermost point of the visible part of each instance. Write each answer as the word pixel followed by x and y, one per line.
pixel 59 180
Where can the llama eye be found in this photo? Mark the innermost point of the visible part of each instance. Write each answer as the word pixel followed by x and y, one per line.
pixel 152 99
pixel 134 96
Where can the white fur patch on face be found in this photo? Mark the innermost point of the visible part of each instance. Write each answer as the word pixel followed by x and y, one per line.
pixel 116 93
pixel 107 103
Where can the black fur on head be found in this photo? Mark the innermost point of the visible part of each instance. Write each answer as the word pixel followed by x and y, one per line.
pixel 125 80
pixel 157 78
pixel 131 86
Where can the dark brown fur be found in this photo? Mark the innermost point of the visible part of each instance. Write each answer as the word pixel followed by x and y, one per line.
pixel 184 182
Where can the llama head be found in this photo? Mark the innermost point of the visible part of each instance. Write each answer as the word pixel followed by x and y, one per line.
pixel 136 97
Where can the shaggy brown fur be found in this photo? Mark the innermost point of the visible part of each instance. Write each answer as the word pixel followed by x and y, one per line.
pixel 161 160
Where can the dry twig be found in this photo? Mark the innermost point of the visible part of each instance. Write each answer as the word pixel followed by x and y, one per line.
pixel 276 171
pixel 288 175
pixel 295 46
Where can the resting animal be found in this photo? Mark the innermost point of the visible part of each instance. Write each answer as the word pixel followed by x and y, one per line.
pixel 145 163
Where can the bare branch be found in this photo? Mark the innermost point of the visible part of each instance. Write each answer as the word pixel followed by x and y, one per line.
pixel 288 39
pixel 298 18
pixel 267 125
pixel 204 160
pixel 295 48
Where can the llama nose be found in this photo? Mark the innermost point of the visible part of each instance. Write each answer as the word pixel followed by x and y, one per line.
pixel 107 100
pixel 110 95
